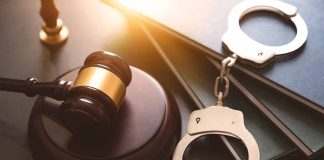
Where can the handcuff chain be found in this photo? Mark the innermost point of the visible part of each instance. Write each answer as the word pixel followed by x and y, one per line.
pixel 223 80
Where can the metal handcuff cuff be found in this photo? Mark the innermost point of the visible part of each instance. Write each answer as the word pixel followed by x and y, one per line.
pixel 223 120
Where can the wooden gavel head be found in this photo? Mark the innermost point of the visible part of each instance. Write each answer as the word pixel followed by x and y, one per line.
pixel 96 95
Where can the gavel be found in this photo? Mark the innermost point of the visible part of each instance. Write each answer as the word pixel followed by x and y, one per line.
pixel 92 101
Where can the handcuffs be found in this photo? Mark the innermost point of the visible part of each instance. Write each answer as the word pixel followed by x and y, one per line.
pixel 205 122
pixel 223 120
pixel 247 48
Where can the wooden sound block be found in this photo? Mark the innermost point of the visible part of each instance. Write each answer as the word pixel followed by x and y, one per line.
pixel 147 127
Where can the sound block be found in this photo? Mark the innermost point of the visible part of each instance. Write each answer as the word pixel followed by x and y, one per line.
pixel 148 127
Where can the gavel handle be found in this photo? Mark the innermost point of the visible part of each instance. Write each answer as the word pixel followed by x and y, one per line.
pixel 31 87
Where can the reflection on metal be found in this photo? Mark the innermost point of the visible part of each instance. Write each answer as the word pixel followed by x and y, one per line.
pixel 103 80
pixel 55 35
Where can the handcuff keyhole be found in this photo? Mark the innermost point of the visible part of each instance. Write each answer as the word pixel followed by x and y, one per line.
pixel 198 120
